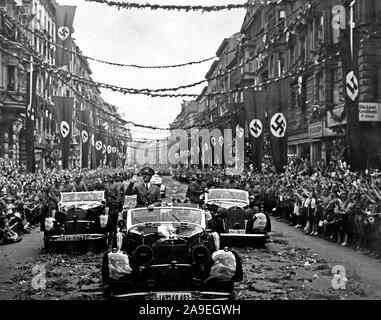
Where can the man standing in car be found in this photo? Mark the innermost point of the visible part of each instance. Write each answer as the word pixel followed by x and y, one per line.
pixel 147 194
pixel 196 189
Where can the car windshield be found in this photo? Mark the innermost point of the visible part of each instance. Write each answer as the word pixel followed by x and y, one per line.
pixel 167 214
pixel 220 194
pixel 82 196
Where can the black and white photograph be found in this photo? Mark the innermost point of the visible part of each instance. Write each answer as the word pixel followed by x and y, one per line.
pixel 207 153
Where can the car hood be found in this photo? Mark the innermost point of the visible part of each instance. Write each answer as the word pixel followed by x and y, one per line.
pixel 84 205
pixel 227 203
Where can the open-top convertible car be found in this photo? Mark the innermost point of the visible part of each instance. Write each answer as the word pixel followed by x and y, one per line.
pixel 232 217
pixel 80 223
pixel 168 254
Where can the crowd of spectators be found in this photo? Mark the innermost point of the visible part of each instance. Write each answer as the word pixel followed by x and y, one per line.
pixel 26 198
pixel 328 201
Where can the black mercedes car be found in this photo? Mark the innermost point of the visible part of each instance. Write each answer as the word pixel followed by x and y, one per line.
pixel 168 253
pixel 80 224
pixel 234 220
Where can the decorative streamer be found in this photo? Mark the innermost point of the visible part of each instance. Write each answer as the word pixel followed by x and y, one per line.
pixel 186 8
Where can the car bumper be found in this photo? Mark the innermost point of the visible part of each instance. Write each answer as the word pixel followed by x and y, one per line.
pixel 175 296
pixel 78 242
pixel 244 236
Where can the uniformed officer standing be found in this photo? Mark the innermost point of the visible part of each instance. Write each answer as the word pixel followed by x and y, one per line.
pixel 112 195
pixel 67 186
pixel 54 197
pixel 147 194
pixel 232 183
pixel 79 185
pixel 196 189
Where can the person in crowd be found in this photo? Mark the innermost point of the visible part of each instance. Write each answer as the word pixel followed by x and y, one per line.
pixel 67 185
pixel 196 189
pixel 232 183
pixel 79 185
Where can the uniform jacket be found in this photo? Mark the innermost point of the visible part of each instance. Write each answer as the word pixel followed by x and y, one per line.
pixel 54 194
pixel 144 197
pixel 194 191
pixel 81 187
pixel 112 193
pixel 69 187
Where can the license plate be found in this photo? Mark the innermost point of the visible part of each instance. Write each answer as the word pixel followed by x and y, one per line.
pixel 74 237
pixel 233 231
pixel 173 296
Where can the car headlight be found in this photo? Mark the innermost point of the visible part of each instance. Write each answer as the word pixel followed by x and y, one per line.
pixel 200 255
pixel 143 255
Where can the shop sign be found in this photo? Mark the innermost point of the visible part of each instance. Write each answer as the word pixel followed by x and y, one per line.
pixel 369 112
pixel 316 130
pixel 331 122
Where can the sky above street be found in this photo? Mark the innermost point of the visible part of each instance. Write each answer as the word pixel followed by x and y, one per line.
pixel 148 37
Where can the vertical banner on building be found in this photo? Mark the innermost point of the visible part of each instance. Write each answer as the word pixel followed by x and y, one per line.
pixel 351 93
pixel 63 108
pixel 98 145
pixel 278 98
pixel 86 136
pixel 254 102
pixel 114 150
pixel 64 28
pixel 93 159
pixel 32 101
pixel 123 152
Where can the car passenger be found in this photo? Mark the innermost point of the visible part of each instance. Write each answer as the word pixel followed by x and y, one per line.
pixel 147 194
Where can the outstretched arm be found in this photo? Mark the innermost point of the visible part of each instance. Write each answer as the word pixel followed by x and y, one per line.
pixel 131 189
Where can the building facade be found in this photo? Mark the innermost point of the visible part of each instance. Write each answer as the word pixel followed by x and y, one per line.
pixel 31 25
pixel 304 41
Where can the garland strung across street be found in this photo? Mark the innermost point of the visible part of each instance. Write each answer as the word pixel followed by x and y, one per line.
pixel 186 8
pixel 47 39
pixel 71 77
pixel 53 43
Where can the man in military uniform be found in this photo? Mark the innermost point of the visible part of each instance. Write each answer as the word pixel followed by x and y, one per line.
pixel 54 197
pixel 147 194
pixel 67 186
pixel 232 183
pixel 112 195
pixel 196 189
pixel 79 185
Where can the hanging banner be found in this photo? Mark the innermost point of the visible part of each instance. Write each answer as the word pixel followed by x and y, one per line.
pixel 63 108
pixel 354 133
pixel 278 97
pixel 86 136
pixel 64 28
pixel 113 153
pixel 31 103
pixel 93 159
pixel 255 114
pixel 99 145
